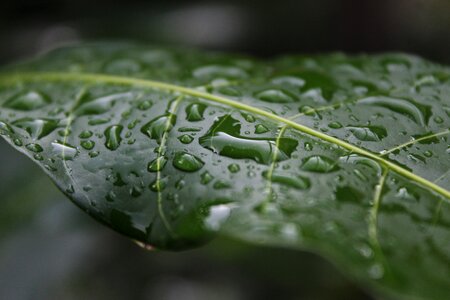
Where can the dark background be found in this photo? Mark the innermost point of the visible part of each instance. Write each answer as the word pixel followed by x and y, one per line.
pixel 51 250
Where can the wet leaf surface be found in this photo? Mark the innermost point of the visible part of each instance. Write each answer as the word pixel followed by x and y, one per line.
pixel 345 156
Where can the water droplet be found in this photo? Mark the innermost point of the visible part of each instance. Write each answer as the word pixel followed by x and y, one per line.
pixel 249 118
pixel 335 125
pixel 17 142
pixel 98 121
pixel 206 177
pixel 144 105
pixel 260 128
pixel 189 129
pixel 113 137
pixel 224 138
pixel 319 164
pixel 289 80
pixel 95 106
pixel 64 150
pixel 5 129
pixel 194 112
pixel 428 153
pixel 159 185
pixel 26 101
pixel 220 185
pixel 376 271
pixel 186 139
pixel 368 133
pixel 88 145
pixel 419 113
pixel 275 96
pixel 291 180
pixel 217 71
pixel 233 168
pixel 157 164
pixel 438 120
pixel 85 134
pixel 38 156
pixel 308 146
pixel 36 128
pixel 34 148
pixel 156 128
pixel 94 154
pixel 187 162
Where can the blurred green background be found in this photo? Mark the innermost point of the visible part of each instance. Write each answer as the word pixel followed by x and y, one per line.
pixel 49 249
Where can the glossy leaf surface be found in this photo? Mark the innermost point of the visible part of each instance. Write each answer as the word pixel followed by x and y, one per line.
pixel 346 156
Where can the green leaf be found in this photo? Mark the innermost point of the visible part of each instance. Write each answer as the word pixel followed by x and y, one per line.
pixel 344 156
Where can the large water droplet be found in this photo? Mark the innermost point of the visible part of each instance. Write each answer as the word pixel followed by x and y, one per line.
pixel 368 133
pixel 224 138
pixel 234 168
pixel 419 113
pixel 37 128
pixel 113 137
pixel 156 128
pixel 30 100
pixel 187 162
pixel 194 112
pixel 275 96
pixel 319 164
pixel 64 150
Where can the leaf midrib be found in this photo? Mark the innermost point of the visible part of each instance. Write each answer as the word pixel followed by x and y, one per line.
pixel 11 78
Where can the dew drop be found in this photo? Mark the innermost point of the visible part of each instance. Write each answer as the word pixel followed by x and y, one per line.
pixel 34 148
pixel 88 145
pixel 144 105
pixel 113 137
pixel 194 112
pixel 206 178
pixel 64 150
pixel 319 164
pixel 220 185
pixel 97 106
pixel 260 128
pixel 156 128
pixel 290 180
pixel 369 133
pixel 234 168
pixel 335 125
pixel 159 185
pixel 187 162
pixel 275 96
pixel 186 139
pixel 157 164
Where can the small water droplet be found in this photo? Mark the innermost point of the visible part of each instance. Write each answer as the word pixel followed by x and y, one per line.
pixel 249 118
pixel 88 145
pixel 319 164
pixel 233 168
pixel 275 96
pixel 113 137
pixel 220 185
pixel 186 139
pixel 99 105
pixel 64 150
pixel 144 105
pixel 206 177
pixel 291 180
pixel 156 128
pixel 187 162
pixel 260 128
pixel 17 142
pixel 335 125
pixel 34 148
pixel 94 154
pixel 194 112
pixel 368 133
pixel 159 185
pixel 85 134
pixel 157 164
